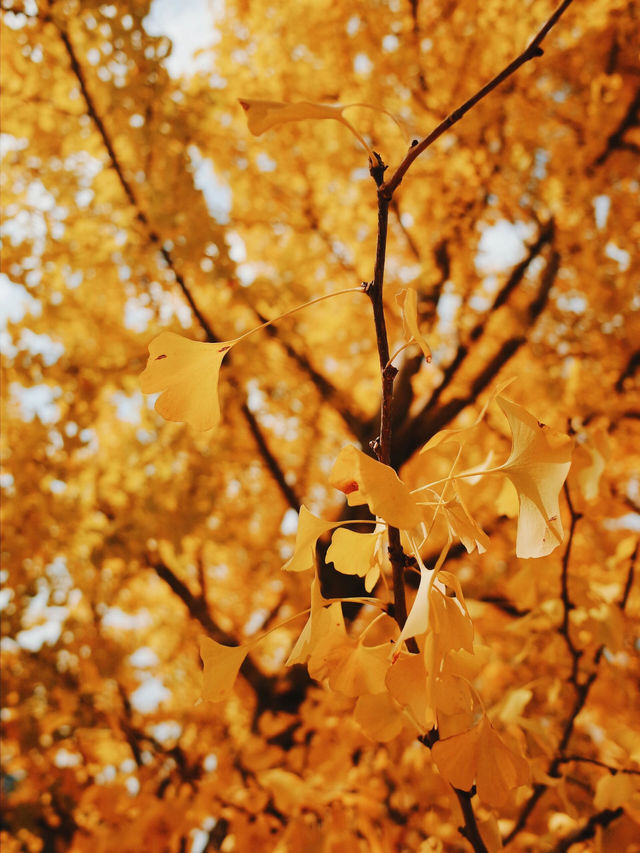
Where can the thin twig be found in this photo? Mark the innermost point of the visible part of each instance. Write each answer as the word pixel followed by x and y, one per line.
pixel 531 52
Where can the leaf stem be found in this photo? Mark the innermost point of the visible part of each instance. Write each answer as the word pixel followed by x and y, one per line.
pixel 296 309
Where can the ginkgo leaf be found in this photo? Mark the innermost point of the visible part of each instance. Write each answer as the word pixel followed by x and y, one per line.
pixel 366 481
pixel 418 617
pixel 463 526
pixel 500 769
pixel 263 115
pixel 480 754
pixel 360 670
pixel 451 625
pixel 537 466
pixel 325 621
pixel 452 694
pixel 407 299
pixel 379 717
pixel 355 553
pixel 186 372
pixel 310 528
pixel 221 667
pixel 406 680
pixel 456 758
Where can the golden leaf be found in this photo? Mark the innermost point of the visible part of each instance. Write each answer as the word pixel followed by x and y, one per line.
pixel 356 554
pixel 480 754
pixel 407 299
pixel 263 115
pixel 537 466
pixel 366 481
pixel 310 528
pixel 221 667
pixel 378 716
pixel 186 372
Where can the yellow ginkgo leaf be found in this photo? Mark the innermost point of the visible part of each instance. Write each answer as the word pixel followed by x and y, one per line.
pixel 480 754
pixel 366 481
pixel 379 716
pixel 221 667
pixel 452 694
pixel 537 466
pixel 360 669
pixel 263 115
pixel 186 372
pixel 356 554
pixel 407 299
pixel 310 528
pixel 456 758
pixel 463 526
pixel 418 618
pixel 451 625
pixel 325 623
pixel 406 681
pixel 500 769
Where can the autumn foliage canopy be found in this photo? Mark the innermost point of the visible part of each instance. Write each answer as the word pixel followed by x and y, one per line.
pixel 320 446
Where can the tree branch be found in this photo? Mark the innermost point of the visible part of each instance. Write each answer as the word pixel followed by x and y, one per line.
pixel 272 692
pixel 582 693
pixel 269 459
pixel 426 423
pixel 603 819
pixel 531 52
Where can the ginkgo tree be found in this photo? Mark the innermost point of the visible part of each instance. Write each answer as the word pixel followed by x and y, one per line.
pixel 341 582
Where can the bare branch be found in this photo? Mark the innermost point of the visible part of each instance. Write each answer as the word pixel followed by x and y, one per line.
pixel 531 52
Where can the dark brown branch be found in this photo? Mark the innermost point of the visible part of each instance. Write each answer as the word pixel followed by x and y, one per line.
pixel 531 52
pixel 470 829
pixel 382 444
pixel 270 460
pixel 582 693
pixel 271 692
pixel 261 442
pixel 616 140
pixel 603 819
pixel 567 604
pixel 582 759
pixel 630 369
pixel 426 423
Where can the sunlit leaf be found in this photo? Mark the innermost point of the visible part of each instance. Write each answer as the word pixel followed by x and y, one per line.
pixel 358 554
pixel 537 466
pixel 361 669
pixel 366 481
pixel 263 115
pixel 310 528
pixel 186 373
pixel 379 716
pixel 406 680
pixel 481 756
pixel 407 299
pixel 325 623
pixel 221 667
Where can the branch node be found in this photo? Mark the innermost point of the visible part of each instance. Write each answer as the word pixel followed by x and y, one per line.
pixel 377 169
